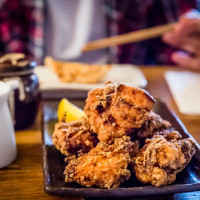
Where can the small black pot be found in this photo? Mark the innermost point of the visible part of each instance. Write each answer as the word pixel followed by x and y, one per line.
pixel 27 97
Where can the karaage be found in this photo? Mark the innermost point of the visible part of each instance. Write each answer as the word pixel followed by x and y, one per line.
pixel 74 138
pixel 160 159
pixel 117 110
pixel 119 121
pixel 153 123
pixel 104 166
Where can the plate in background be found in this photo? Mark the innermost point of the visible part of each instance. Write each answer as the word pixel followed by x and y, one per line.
pixel 187 180
pixel 51 86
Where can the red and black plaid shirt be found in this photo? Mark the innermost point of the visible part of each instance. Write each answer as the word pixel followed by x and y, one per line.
pixel 22 25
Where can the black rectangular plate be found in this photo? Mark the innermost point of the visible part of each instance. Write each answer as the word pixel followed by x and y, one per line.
pixel 188 180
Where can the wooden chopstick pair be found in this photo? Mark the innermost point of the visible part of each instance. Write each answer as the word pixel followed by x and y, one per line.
pixel 134 36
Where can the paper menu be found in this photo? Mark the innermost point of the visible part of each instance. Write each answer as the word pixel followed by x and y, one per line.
pixel 185 88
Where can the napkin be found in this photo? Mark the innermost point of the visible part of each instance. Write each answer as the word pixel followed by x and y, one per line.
pixel 185 88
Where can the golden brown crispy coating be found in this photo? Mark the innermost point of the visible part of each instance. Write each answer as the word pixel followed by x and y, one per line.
pixel 104 166
pixel 70 72
pixel 117 110
pixel 154 123
pixel 115 113
pixel 169 135
pixel 74 138
pixel 160 160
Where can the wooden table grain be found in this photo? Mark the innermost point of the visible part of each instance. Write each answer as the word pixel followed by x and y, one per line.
pixel 23 179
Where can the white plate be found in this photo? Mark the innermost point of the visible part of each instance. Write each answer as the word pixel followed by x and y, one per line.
pixel 126 74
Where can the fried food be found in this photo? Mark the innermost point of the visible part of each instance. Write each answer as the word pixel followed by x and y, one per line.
pixel 119 121
pixel 69 72
pixel 117 110
pixel 169 135
pixel 162 157
pixel 154 123
pixel 104 166
pixel 74 138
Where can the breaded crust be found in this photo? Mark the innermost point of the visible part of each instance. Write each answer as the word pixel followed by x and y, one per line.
pixel 117 110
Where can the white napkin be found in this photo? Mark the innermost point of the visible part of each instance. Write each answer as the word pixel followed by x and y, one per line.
pixel 185 88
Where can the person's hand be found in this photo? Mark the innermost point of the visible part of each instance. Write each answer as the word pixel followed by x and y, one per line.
pixel 186 37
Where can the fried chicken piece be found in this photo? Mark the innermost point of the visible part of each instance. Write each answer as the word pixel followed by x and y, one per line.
pixel 104 166
pixel 74 72
pixel 117 110
pixel 160 159
pixel 154 123
pixel 74 138
pixel 169 135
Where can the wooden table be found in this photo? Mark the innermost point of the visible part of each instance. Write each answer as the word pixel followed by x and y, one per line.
pixel 24 178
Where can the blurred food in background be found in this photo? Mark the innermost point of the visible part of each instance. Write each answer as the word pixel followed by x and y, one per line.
pixel 69 72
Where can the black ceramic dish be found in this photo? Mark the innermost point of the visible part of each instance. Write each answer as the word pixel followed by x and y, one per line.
pixel 187 180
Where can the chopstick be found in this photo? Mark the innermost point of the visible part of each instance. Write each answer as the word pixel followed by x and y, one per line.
pixel 134 36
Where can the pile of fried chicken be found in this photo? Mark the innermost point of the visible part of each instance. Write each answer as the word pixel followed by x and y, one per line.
pixel 121 135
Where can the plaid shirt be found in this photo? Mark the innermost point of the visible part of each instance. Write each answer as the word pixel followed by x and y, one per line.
pixel 22 25
pixel 129 15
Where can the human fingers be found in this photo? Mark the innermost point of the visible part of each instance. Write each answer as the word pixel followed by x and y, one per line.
pixel 191 14
pixel 189 23
pixel 186 43
pixel 171 38
pixel 184 60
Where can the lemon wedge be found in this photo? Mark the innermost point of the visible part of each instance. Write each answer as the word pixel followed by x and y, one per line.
pixel 71 111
